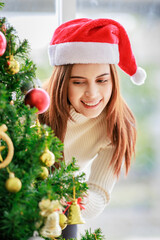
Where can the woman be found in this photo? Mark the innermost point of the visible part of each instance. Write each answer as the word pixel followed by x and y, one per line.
pixel 87 111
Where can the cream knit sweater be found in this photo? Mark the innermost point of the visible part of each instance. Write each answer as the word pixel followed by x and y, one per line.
pixel 86 140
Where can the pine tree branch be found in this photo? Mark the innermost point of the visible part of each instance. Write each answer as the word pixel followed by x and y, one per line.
pixel 1 5
pixel 23 49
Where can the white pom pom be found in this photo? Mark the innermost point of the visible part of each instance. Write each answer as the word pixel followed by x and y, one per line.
pixel 139 77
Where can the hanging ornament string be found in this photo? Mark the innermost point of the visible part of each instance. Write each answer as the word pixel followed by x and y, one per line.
pixel 8 170
pixel 38 126
pixel 5 138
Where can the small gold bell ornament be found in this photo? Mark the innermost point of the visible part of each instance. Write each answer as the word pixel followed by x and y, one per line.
pixel 62 221
pixel 50 211
pixel 47 157
pixel 36 236
pixel 74 213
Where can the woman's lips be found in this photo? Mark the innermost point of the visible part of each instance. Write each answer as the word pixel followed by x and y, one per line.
pixel 91 104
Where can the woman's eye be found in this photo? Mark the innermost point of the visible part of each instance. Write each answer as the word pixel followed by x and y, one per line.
pixel 77 82
pixel 102 80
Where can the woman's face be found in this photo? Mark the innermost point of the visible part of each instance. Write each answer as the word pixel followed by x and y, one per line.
pixel 90 88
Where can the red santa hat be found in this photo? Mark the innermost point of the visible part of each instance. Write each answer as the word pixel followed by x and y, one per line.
pixel 94 41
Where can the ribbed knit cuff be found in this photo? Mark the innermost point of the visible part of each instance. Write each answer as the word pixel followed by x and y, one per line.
pixel 95 203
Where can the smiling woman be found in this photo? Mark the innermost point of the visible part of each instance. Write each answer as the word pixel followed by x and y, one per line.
pixel 87 111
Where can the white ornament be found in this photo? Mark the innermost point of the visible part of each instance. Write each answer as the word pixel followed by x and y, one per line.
pixel 36 236
pixel 51 229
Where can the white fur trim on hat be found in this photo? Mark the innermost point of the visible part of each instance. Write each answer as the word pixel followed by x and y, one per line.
pixel 83 52
pixel 139 77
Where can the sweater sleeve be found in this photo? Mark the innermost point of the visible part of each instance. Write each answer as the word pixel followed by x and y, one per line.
pixel 101 182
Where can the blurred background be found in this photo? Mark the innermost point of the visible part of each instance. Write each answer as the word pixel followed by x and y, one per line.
pixel 134 210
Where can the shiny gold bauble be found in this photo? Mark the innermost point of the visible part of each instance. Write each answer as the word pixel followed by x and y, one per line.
pixel 12 66
pixel 47 157
pixel 13 184
pixel 44 174
pixel 62 221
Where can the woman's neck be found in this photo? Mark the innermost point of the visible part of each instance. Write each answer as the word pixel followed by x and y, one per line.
pixel 80 118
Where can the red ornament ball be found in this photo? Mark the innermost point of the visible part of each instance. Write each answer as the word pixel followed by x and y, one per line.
pixel 39 98
pixel 3 44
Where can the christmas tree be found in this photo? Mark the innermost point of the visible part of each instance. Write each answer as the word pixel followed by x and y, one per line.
pixel 35 183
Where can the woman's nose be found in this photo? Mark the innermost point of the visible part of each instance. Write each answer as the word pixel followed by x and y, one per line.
pixel 91 90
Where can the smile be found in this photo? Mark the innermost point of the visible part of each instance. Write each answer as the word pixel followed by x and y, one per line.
pixel 90 104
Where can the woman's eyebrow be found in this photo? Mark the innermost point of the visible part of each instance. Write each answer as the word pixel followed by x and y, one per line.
pixel 104 74
pixel 77 77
